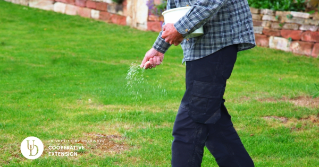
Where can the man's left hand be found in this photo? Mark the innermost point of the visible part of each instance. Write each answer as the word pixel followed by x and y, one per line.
pixel 171 35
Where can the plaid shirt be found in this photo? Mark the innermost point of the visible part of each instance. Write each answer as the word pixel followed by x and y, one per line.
pixel 226 22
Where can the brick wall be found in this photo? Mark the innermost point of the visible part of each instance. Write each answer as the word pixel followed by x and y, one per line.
pixel 154 23
pixel 295 32
pixel 102 10
pixel 132 12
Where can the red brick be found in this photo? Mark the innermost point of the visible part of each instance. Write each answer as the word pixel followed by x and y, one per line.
pixel 157 2
pixel 155 18
pixel 271 32
pixel 154 26
pixel 257 23
pixel 262 40
pixel 293 34
pixel 118 19
pixel 310 36
pixel 124 3
pixel 71 2
pixel 315 50
pixel 91 4
pixel 81 3
pixel 106 16
pixel 299 47
pixel 101 6
pixel 84 12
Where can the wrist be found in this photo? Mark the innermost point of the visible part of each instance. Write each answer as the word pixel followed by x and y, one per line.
pixel 157 51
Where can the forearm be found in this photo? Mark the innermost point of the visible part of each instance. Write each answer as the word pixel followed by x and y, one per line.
pixel 160 44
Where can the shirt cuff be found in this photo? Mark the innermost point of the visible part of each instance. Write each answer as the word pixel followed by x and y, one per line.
pixel 160 44
pixel 184 26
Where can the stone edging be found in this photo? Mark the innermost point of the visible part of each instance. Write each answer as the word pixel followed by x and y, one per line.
pixel 289 31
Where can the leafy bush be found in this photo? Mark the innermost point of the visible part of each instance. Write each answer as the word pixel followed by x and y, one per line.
pixel 156 9
pixel 281 5
pixel 118 1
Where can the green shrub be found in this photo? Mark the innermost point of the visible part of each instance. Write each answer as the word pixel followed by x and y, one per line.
pixel 118 1
pixel 281 5
pixel 156 9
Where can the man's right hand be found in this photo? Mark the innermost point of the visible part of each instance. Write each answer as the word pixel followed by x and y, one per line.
pixel 152 59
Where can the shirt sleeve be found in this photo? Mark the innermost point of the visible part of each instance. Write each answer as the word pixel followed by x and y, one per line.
pixel 198 15
pixel 160 44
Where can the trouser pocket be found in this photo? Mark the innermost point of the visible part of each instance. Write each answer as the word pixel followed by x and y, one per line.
pixel 205 102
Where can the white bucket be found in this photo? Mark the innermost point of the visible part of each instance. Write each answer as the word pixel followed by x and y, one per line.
pixel 173 15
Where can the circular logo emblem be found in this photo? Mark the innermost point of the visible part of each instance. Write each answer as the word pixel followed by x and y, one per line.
pixel 31 147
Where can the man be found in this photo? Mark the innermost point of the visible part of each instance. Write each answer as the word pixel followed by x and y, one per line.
pixel 202 118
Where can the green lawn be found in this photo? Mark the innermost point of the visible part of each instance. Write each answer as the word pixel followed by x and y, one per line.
pixel 66 77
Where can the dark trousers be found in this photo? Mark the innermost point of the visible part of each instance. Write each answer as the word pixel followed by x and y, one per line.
pixel 203 120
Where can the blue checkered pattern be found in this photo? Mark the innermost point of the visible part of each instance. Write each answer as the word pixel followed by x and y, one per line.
pixel 226 22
